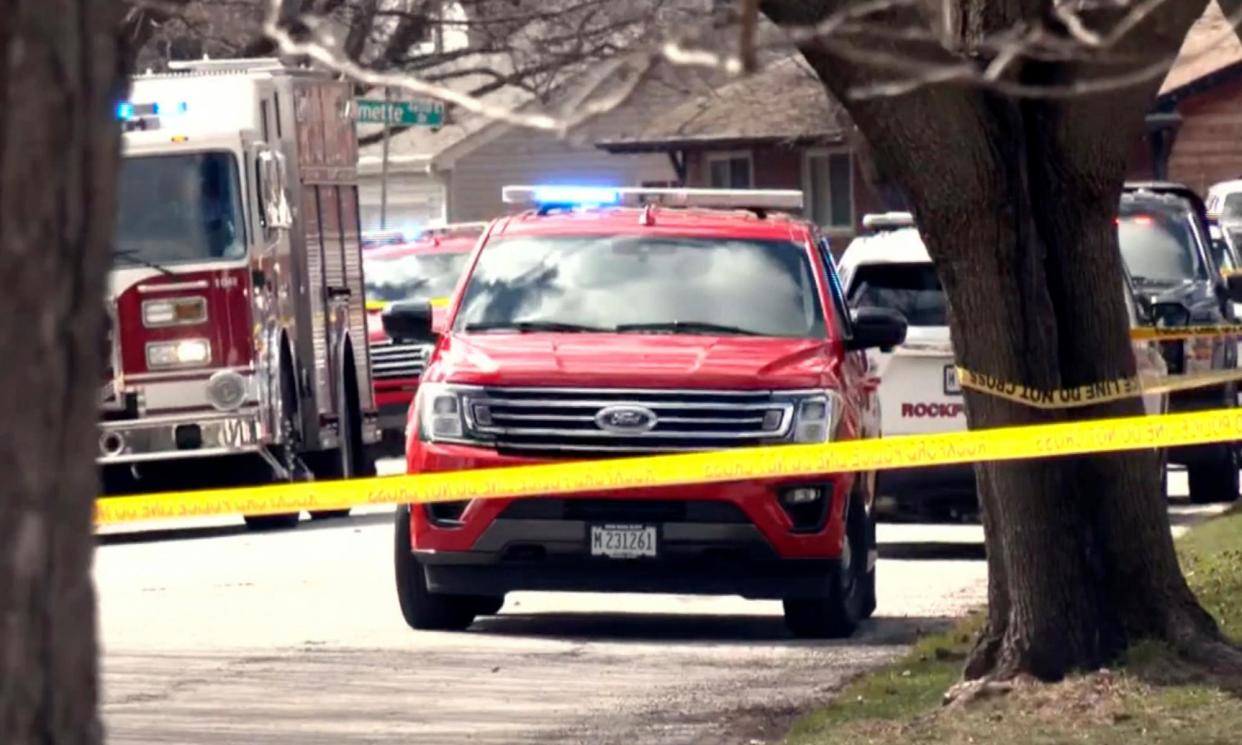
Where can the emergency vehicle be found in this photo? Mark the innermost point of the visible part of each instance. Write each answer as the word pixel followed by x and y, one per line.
pixel 889 267
pixel 238 334
pixel 425 269
pixel 602 323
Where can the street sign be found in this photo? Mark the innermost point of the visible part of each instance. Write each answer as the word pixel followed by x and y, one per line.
pixel 402 113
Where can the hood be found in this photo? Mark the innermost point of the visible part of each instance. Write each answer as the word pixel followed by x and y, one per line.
pixel 1197 296
pixel 633 360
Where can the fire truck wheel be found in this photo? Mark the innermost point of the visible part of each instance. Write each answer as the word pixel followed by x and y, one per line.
pixel 273 522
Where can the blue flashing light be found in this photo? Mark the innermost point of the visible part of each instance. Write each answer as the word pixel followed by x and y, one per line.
pixel 170 109
pixel 579 195
pixel 124 111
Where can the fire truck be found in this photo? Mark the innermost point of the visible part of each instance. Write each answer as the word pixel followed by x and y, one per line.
pixel 237 336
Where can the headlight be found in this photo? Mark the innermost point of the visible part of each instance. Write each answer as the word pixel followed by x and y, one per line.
pixel 185 353
pixel 181 311
pixel 226 390
pixel 815 419
pixel 440 413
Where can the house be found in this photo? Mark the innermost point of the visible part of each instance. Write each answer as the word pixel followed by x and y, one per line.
pixel 776 129
pixel 1194 131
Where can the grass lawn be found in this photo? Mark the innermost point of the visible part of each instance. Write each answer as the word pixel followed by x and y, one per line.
pixel 1151 698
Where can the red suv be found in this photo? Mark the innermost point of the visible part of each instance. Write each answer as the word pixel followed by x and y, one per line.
pixel 426 269
pixel 623 322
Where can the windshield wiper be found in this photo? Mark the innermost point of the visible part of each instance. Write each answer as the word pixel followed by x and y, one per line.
pixel 704 327
pixel 529 326
pixel 137 258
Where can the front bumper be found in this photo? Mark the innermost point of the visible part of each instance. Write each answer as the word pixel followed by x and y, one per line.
pixel 683 572
pixel 742 519
pixel 926 491
pixel 198 435
pixel 392 399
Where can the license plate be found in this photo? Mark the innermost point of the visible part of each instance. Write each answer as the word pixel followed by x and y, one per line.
pixel 623 541
pixel 951 386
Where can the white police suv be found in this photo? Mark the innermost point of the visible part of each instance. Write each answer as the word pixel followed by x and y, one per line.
pixel 889 267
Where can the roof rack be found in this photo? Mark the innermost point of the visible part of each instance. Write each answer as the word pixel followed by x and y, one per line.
pixel 373 238
pixel 452 227
pixel 566 197
pixel 224 64
pixel 888 221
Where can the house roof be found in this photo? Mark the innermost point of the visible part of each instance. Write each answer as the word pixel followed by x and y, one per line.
pixel 1211 48
pixel 662 86
pixel 784 102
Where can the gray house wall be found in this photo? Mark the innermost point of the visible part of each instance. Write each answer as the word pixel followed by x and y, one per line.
pixel 525 157
pixel 502 154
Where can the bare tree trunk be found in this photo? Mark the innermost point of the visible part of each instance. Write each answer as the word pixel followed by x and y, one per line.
pixel 59 74
pixel 1015 199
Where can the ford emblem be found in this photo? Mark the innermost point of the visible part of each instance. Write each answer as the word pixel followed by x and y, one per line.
pixel 626 420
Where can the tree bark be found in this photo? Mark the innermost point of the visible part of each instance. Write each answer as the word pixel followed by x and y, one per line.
pixel 1015 198
pixel 59 80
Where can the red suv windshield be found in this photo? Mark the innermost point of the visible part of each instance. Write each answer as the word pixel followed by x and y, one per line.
pixel 645 283
pixel 413 276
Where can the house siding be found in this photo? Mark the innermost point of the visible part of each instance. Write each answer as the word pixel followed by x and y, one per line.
pixel 1208 148
pixel 1208 145
pixel 526 157
pixel 518 155
pixel 782 168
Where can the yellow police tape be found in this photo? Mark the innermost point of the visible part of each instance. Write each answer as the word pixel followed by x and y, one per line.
pixel 1169 333
pixel 435 302
pixel 1093 394
pixel 1008 443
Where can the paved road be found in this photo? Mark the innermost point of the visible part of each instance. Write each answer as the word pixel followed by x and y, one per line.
pixel 216 635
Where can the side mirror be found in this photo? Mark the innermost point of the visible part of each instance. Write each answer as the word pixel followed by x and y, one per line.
pixel 1234 283
pixel 877 327
pixel 1170 315
pixel 408 321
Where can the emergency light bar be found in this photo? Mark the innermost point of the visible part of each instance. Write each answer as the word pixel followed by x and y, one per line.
pixel 452 227
pixel 595 196
pixel 148 115
pixel 888 221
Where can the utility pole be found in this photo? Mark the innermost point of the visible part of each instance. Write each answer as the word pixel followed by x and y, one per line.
pixel 384 164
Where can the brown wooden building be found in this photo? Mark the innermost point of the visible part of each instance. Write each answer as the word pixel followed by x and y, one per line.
pixel 1194 132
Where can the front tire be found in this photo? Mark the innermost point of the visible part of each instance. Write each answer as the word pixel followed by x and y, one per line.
pixel 422 609
pixel 1215 480
pixel 273 522
pixel 329 514
pixel 851 591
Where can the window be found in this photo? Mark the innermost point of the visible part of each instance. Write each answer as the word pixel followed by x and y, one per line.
pixel 413 276
pixel 1232 207
pixel 645 284
pixel 911 289
pixel 829 177
pixel 1158 241
pixel 729 170
pixel 179 209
